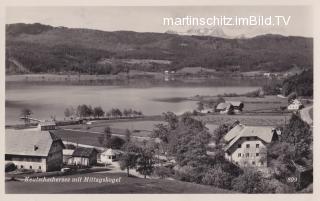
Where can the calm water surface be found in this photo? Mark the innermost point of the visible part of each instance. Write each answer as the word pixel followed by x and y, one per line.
pixel 47 101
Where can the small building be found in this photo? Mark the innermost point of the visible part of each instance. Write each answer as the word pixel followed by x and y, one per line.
pixel 110 155
pixel 47 125
pixel 67 155
pixel 206 111
pixel 223 108
pixel 295 105
pixel 236 105
pixel 247 145
pixel 83 156
pixel 36 150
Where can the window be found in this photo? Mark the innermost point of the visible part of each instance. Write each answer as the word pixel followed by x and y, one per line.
pixel 39 168
pixel 239 154
pixel 257 154
pixel 30 167
pixel 248 146
pixel 21 166
pixel 253 162
pixel 257 145
pixel 248 138
pixel 239 145
pixel 247 155
pixel 261 162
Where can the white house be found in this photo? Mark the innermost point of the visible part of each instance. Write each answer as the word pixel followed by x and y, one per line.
pixel 295 105
pixel 110 155
pixel 246 145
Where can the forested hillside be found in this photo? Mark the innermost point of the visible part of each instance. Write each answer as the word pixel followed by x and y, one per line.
pixel 43 48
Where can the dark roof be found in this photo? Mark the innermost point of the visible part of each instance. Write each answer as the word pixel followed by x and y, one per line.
pixel 29 143
pixel 84 152
pixel 263 132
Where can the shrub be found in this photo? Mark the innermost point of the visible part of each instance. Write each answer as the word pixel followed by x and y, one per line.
pixel 163 172
pixel 10 167
pixel 217 177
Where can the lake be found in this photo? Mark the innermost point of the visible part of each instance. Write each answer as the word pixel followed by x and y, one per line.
pixel 51 100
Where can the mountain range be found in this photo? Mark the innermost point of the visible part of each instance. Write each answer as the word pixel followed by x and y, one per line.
pixel 42 48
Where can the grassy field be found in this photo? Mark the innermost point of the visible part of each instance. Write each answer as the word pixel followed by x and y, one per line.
pixel 252 120
pixel 137 128
pixel 126 185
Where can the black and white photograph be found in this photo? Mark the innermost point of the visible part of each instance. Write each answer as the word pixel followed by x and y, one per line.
pixel 159 99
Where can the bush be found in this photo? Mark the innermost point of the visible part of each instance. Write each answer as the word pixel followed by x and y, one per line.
pixel 217 177
pixel 163 172
pixel 189 174
pixel 10 167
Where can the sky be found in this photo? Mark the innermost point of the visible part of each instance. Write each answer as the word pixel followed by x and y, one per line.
pixel 150 19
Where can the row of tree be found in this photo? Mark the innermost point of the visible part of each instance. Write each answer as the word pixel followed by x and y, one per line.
pixel 97 112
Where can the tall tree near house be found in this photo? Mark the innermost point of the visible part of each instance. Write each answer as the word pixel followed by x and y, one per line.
pixel 26 113
pixel 299 134
pixel 105 138
pixel 129 158
pixel 127 135
pixel 145 161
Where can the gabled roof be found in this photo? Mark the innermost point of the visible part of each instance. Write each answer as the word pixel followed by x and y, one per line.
pixel 263 133
pixel 29 143
pixel 67 152
pixel 223 106
pixel 235 103
pixel 84 152
pixel 234 132
pixel 111 152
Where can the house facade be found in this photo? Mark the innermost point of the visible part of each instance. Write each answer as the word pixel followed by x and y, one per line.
pixel 83 156
pixel 247 145
pixel 40 151
pixel 110 155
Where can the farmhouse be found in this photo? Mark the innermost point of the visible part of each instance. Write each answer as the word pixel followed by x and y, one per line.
pixel 35 150
pixel 83 156
pixel 109 156
pixel 246 145
pixel 47 125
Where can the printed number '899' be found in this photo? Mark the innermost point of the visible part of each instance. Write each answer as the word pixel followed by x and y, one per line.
pixel 292 179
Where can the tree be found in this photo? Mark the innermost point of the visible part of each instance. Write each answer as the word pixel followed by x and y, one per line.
pixel 104 139
pixel 220 132
pixel 116 142
pixel 299 134
pixel 145 161
pixel 250 181
pixel 200 106
pixel 217 177
pixel 128 135
pixel 171 119
pixel 129 158
pixel 26 113
pixel 98 112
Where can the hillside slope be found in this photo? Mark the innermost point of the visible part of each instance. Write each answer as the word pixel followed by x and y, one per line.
pixel 43 48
